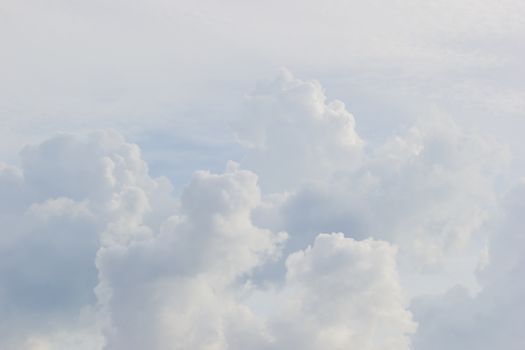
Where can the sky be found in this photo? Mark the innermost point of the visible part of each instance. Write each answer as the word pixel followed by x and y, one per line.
pixel 205 175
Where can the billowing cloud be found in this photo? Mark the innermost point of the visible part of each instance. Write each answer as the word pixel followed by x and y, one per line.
pixel 188 282
pixel 93 260
pixel 179 278
pixel 55 210
pixel 343 294
pixel 305 242
pixel 294 134
pixel 428 188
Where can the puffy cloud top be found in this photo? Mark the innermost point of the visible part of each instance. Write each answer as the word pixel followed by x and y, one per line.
pixel 294 134
pixel 98 253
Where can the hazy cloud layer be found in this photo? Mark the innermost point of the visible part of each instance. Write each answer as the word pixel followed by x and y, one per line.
pixel 494 316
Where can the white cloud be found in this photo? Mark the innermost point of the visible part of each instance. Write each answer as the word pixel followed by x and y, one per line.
pixel 135 66
pixel 428 188
pixel 99 253
pixel 55 209
pixel 343 294
pixel 176 281
pixel 494 316
pixel 181 278
pixel 294 134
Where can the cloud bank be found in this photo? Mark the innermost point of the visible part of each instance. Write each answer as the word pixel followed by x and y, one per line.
pixel 313 239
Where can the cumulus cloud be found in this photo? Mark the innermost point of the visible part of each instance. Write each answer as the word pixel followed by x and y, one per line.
pixel 55 210
pixel 92 260
pixel 428 188
pixel 178 278
pixel 343 294
pixel 294 134
pixel 99 253
pixel 184 282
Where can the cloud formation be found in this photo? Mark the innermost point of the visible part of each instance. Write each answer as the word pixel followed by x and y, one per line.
pixel 294 134
pixel 344 294
pixel 306 242
pixel 93 248
pixel 494 316
pixel 57 208
pixel 428 188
